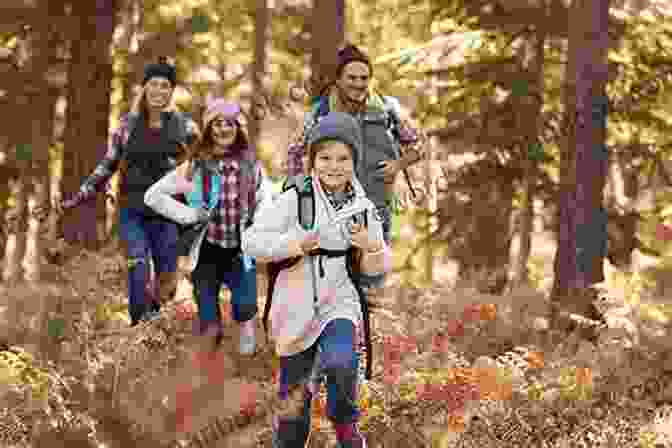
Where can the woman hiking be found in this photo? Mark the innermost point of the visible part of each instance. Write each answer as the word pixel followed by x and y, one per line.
pixel 146 145
pixel 316 307
pixel 222 184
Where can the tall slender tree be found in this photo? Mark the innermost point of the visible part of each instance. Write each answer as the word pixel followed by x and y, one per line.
pixel 531 124
pixel 45 43
pixel 327 35
pixel 583 167
pixel 261 28
pixel 88 109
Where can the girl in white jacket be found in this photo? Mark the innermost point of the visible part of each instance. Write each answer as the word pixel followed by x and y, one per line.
pixel 222 184
pixel 315 304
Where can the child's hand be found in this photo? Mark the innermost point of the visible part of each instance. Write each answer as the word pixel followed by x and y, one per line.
pixel 311 242
pixel 360 238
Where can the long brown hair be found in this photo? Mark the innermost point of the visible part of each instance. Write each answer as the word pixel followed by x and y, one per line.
pixel 200 150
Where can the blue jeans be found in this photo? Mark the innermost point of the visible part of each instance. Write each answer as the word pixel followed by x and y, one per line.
pixel 376 281
pixel 338 361
pixel 144 236
pixel 219 267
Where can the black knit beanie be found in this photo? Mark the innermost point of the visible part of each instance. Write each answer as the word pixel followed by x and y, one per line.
pixel 161 69
pixel 351 53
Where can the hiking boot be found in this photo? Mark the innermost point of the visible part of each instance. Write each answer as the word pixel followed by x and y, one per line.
pixel 362 443
pixel 349 436
pixel 247 337
pixel 290 432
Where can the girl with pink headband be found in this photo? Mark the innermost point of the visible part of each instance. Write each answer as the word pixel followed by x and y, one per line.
pixel 220 187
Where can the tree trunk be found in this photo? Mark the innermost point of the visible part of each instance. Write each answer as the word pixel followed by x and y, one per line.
pixel 44 46
pixel 533 62
pixel 621 206
pixel 14 224
pixel 258 105
pixel 89 86
pixel 38 197
pixel 327 35
pixel 132 19
pixel 583 168
pixel 485 226
pixel 13 194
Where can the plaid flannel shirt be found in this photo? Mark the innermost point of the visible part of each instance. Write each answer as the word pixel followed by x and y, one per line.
pixel 224 230
pixel 99 179
pixel 409 138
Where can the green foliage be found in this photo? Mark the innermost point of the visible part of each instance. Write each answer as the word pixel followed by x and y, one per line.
pixel 535 391
pixel 18 371
pixel 536 152
pixel 647 439
pixel 56 327
pixel 571 388
pixel 200 23
pixel 24 152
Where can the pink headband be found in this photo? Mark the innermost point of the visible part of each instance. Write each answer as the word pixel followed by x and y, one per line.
pixel 220 107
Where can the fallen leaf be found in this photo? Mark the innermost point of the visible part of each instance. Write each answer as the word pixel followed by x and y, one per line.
pixel 535 359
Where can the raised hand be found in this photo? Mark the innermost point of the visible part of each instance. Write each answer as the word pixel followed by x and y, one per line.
pixel 360 238
pixel 311 242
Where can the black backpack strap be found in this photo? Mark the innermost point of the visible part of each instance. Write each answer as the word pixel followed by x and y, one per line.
pixel 306 205
pixel 274 269
pixel 366 310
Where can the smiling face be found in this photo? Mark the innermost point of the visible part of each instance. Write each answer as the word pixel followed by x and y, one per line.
pixel 223 134
pixel 333 165
pixel 354 81
pixel 158 93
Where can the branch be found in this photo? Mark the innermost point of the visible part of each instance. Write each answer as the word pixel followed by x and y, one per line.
pixel 662 171
pixel 526 29
pixel 646 250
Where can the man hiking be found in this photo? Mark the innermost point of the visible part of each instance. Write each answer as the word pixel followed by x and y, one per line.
pixel 391 144
pixel 145 146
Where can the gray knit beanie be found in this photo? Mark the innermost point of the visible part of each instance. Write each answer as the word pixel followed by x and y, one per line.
pixel 341 127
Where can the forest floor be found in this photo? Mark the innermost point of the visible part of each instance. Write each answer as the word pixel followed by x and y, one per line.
pixel 149 386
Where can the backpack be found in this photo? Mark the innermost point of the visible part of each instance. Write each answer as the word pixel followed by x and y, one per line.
pixel 306 213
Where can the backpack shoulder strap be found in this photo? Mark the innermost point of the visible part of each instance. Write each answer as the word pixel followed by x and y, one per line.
pixel 352 266
pixel 130 120
pixel 320 107
pixel 391 107
pixel 248 170
pixel 181 124
pixel 315 107
pixel 306 214
pixel 306 199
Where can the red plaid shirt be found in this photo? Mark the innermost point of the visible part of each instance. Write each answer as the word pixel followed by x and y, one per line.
pixel 224 229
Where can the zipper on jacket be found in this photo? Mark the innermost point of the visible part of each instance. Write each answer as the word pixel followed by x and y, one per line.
pixel 314 280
